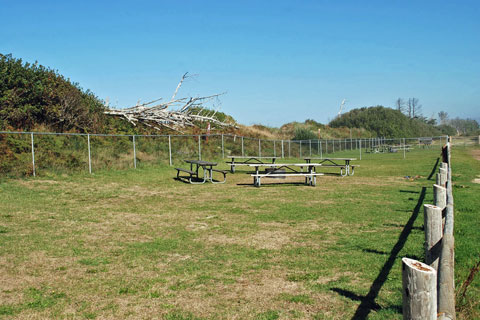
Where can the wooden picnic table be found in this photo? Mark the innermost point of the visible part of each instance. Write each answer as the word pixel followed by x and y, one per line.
pixel 246 160
pixel 333 163
pixel 285 170
pixel 207 168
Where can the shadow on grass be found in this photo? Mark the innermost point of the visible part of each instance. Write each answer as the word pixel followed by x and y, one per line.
pixel 273 184
pixel 433 170
pixel 398 225
pixel 384 253
pixel 368 302
pixel 408 191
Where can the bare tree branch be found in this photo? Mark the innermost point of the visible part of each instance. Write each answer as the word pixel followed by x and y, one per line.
pixel 158 115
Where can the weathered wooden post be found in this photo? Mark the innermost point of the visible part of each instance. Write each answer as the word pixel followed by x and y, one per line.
pixel 446 286
pixel 432 221
pixel 33 154
pixel 419 282
pixel 443 176
pixel 439 196
pixel 170 150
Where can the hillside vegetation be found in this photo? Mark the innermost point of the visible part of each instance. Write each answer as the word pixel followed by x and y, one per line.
pixel 390 123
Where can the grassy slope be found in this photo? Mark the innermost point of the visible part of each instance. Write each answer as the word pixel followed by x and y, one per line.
pixel 138 244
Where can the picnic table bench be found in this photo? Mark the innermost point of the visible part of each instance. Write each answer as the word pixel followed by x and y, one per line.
pixel 406 147
pixel 285 170
pixel 334 163
pixel 246 160
pixel 207 168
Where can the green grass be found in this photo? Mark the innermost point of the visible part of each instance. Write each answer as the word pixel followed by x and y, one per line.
pixel 138 244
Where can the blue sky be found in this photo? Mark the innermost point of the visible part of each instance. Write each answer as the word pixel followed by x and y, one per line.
pixel 278 61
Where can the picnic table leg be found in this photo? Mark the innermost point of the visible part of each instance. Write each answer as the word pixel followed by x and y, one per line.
pixel 232 167
pixel 256 180
pixel 204 176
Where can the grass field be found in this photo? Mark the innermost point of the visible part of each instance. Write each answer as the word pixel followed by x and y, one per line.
pixel 138 244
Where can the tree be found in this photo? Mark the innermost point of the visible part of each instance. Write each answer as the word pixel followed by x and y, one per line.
pixel 443 116
pixel 400 104
pixel 415 108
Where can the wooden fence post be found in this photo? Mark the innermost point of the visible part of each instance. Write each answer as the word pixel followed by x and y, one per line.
pixel 432 221
pixel 443 176
pixel 446 286
pixel 439 196
pixel 419 282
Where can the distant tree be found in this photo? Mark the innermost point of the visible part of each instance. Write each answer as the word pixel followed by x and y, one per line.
pixel 443 116
pixel 465 126
pixel 400 105
pixel 409 108
pixel 415 108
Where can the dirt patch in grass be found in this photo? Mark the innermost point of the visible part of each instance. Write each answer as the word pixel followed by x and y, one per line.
pixel 476 154
pixel 259 292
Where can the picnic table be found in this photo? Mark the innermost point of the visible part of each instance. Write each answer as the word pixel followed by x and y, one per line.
pixel 246 160
pixel 207 168
pixel 334 163
pixel 396 148
pixel 425 142
pixel 285 170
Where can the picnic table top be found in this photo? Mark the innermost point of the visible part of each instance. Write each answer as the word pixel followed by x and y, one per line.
pixel 285 164
pixel 201 162
pixel 251 157
pixel 312 158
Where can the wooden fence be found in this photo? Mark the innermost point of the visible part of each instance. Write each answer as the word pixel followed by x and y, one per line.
pixel 429 288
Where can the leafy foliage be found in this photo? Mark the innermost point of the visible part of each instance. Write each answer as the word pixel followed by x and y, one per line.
pixel 304 134
pixel 386 122
pixel 31 95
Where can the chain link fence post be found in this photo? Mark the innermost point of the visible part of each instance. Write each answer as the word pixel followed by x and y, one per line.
pixel 89 155
pixel 33 155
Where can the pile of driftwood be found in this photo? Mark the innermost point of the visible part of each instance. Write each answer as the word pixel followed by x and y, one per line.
pixel 187 112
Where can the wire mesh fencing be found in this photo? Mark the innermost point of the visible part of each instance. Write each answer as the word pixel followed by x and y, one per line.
pixel 28 153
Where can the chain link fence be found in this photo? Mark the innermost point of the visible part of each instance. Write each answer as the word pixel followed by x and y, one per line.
pixel 28 153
